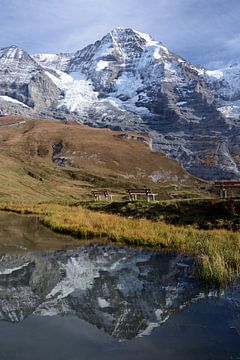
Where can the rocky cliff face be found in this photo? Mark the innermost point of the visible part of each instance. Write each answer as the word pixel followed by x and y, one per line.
pixel 128 81
pixel 24 86
pixel 124 292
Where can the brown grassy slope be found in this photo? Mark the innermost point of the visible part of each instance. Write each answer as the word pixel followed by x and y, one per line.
pixel 98 158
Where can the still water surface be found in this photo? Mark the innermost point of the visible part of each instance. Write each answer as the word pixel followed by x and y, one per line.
pixel 98 301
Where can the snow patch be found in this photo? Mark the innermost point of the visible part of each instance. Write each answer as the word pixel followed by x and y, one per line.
pixel 101 65
pixel 10 99
pixel 156 54
pixel 217 74
pixel 181 103
pixel 150 327
pixel 158 314
pixel 10 271
pixel 230 111
pixel 103 303
pixel 47 57
pixel 146 37
pixel 49 312
pixel 53 61
pixel 164 49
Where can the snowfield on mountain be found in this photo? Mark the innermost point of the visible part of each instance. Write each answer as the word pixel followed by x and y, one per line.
pixel 128 81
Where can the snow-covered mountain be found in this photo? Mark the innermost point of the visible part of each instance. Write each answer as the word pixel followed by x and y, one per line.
pixel 226 86
pixel 128 81
pixel 53 61
pixel 124 292
pixel 24 86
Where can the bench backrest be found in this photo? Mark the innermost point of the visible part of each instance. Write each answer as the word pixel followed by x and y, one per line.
pixel 103 192
pixel 227 183
pixel 139 191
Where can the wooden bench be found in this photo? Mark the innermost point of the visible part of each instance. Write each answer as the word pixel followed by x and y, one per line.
pixel 99 195
pixel 223 185
pixel 134 193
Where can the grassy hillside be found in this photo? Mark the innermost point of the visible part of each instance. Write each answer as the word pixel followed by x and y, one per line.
pixel 46 161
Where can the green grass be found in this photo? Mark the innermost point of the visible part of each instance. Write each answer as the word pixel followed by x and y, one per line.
pixel 217 251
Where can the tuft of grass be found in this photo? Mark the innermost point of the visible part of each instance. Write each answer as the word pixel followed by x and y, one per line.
pixel 217 251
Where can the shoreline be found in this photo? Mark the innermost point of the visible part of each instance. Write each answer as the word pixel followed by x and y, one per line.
pixel 217 251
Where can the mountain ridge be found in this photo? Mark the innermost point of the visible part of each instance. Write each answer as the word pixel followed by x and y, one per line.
pixel 128 81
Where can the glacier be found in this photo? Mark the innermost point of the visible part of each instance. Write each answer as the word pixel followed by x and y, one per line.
pixel 128 81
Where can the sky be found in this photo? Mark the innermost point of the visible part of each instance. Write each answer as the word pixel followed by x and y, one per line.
pixel 205 32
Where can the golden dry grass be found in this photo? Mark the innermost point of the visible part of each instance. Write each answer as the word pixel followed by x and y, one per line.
pixel 217 251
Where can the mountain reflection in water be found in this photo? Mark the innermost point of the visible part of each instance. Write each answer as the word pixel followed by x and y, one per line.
pixel 127 293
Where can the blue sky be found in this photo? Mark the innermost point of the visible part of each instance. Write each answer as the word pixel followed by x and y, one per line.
pixel 205 32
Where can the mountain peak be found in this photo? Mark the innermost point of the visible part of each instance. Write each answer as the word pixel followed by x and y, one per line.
pixel 134 35
pixel 12 47
pixel 17 64
pixel 14 52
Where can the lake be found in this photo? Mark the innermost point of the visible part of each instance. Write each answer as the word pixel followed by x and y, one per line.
pixel 70 300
